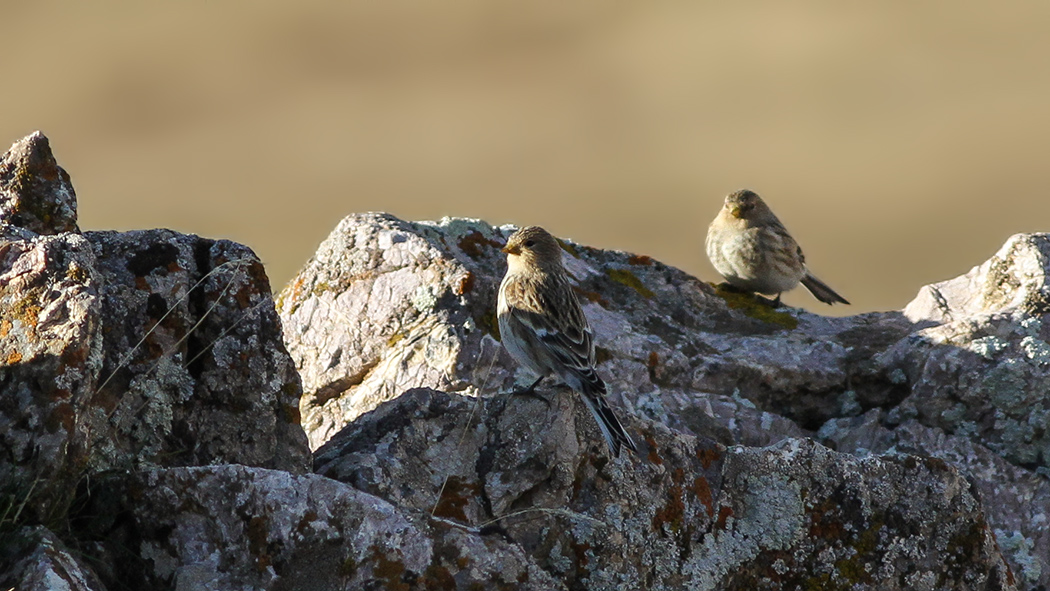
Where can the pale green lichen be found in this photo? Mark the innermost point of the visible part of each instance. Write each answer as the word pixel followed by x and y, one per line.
pixel 1036 350
pixel 423 299
pixel 1019 548
pixel 988 347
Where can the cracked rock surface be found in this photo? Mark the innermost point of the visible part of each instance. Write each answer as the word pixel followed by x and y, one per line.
pixel 960 374
pixel 150 420
pixel 122 351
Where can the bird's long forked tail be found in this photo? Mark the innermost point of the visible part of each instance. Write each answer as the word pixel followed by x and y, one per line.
pixel 821 291
pixel 615 435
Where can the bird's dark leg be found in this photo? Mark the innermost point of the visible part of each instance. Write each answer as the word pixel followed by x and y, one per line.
pixel 531 391
pixel 726 286
pixel 772 303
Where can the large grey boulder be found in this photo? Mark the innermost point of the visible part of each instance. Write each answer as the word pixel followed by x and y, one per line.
pixel 50 351
pixel 34 559
pixel 444 491
pixel 122 351
pixel 387 305
pixel 687 513
pixel 195 369
pixel 234 527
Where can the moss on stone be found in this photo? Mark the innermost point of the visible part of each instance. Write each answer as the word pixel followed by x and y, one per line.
pixel 625 277
pixel 568 247
pixel 755 308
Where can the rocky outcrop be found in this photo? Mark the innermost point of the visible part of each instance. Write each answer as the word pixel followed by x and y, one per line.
pixel 35 192
pixel 194 371
pixel 125 351
pixel 234 527
pixel 688 513
pixel 150 420
pixel 34 559
pixel 958 375
pixel 50 352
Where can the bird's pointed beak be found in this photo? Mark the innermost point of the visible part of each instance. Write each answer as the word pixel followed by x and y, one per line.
pixel 735 211
pixel 510 250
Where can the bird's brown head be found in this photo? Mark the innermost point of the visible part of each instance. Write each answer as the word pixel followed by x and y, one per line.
pixel 746 205
pixel 534 246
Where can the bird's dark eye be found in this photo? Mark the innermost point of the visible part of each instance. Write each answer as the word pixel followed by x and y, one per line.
pixel 529 243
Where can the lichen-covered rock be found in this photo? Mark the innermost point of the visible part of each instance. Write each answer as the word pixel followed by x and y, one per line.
pixel 1015 500
pixel 122 351
pixel 234 527
pixel 34 559
pixel 984 371
pixel 50 356
pixel 35 193
pixel 687 513
pixel 387 305
pixel 195 370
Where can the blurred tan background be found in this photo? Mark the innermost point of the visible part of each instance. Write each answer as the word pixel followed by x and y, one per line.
pixel 901 142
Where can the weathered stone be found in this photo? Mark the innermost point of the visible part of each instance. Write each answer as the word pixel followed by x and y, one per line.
pixel 984 371
pixel 234 527
pixel 125 350
pixel 1016 501
pixel 50 358
pixel 386 305
pixel 34 559
pixel 35 193
pixel 687 513
pixel 195 370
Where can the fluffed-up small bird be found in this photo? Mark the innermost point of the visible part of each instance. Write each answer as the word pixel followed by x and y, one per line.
pixel 544 329
pixel 749 246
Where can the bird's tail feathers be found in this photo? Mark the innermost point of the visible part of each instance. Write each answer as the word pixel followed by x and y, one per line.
pixel 821 291
pixel 615 435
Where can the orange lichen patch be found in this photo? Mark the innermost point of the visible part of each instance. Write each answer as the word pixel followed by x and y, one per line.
pixel 825 526
pixel 724 513
pixel 61 417
pixel 291 414
pixel 673 511
pixel 26 309
pixel 5 327
pixel 708 456
pixel 579 551
pixel 702 490
pixel 455 498
pixel 258 541
pixel 591 296
pixel 640 259
pixel 391 571
pixel 653 457
pixel 13 357
pixel 244 297
pixel 472 244
pixel 437 577
pixel 466 284
pixel 652 363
